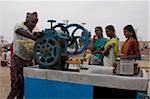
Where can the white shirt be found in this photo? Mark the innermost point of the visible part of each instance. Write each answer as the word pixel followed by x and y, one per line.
pixel 22 46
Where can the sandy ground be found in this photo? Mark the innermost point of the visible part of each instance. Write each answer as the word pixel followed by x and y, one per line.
pixel 4 82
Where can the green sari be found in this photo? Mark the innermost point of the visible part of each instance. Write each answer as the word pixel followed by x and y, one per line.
pixel 97 59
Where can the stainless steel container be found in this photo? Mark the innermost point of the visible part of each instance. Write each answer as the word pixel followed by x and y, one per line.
pixel 126 67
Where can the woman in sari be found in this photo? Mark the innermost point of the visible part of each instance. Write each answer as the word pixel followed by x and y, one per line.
pixel 111 47
pixel 130 48
pixel 97 46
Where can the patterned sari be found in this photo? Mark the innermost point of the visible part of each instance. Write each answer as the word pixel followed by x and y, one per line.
pixel 97 59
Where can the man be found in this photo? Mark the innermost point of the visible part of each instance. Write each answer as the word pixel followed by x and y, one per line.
pixel 22 54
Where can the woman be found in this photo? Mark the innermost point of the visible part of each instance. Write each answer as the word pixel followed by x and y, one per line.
pixel 111 47
pixel 130 48
pixel 97 47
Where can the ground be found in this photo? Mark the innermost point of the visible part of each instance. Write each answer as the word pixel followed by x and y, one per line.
pixel 4 82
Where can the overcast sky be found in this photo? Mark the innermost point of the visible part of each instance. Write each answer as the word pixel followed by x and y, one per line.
pixel 95 13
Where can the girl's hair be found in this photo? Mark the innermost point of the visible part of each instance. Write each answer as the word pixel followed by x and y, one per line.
pixel 111 27
pixel 100 28
pixel 131 29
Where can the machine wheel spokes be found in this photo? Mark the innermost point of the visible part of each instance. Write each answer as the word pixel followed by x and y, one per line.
pixel 76 31
pixel 47 51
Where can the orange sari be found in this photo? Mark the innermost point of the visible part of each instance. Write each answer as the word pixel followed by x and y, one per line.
pixel 130 47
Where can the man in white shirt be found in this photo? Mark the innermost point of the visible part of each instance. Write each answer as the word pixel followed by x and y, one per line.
pixel 22 56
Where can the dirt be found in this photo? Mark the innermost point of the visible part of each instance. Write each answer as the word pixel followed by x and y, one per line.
pixel 4 82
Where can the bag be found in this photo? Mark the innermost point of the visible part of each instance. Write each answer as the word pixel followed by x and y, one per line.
pixel 95 60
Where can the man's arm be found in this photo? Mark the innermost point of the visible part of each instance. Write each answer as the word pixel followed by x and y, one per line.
pixel 24 33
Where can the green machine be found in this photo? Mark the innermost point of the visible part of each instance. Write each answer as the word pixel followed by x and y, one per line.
pixel 58 42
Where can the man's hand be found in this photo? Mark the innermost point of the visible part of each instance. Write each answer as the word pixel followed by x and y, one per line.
pixel 38 34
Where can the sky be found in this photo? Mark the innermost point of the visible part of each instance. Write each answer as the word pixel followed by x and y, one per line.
pixel 118 13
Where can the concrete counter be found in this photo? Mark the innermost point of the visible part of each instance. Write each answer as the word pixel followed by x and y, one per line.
pixel 87 78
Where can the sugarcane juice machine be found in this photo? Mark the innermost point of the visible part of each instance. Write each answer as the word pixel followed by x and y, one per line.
pixel 52 49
